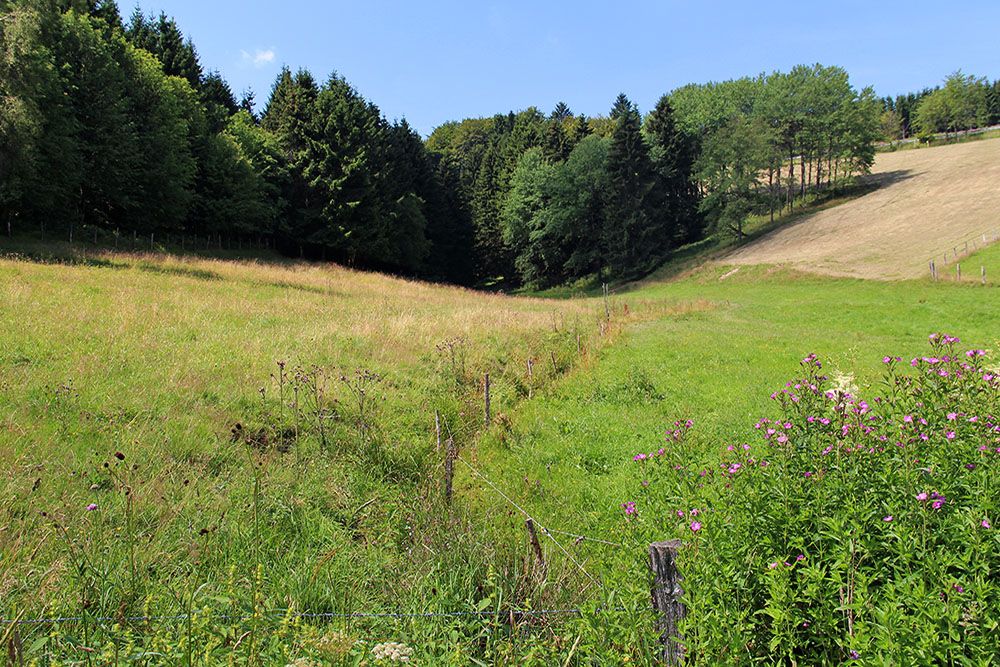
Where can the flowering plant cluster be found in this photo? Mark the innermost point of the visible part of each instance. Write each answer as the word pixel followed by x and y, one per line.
pixel 848 528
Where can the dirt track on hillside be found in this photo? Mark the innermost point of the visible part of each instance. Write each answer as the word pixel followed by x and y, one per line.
pixel 929 200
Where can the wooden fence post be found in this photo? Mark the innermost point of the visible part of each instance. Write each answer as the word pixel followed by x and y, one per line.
pixel 958 272
pixel 535 545
pixel 982 274
pixel 486 399
pixel 666 597
pixel 449 468
pixel 531 376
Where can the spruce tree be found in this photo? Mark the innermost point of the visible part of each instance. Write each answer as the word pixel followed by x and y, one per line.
pixel 632 236
pixel 581 129
pixel 673 155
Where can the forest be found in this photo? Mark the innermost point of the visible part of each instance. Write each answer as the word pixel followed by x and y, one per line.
pixel 113 128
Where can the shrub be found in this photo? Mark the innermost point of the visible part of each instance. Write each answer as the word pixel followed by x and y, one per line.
pixel 853 529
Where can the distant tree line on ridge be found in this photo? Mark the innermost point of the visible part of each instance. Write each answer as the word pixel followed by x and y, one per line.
pixel 963 103
pixel 113 127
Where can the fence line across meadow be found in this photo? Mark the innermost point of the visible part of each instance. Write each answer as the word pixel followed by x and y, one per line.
pixel 277 615
pixel 963 248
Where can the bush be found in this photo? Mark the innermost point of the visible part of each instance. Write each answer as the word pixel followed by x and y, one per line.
pixel 852 530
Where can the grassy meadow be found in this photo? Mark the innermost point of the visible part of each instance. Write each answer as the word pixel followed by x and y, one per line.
pixel 161 462
pixel 247 436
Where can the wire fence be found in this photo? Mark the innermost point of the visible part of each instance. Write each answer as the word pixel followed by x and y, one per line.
pixel 466 431
pixel 967 245
pixel 277 615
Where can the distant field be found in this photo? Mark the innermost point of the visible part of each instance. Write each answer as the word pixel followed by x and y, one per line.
pixel 929 201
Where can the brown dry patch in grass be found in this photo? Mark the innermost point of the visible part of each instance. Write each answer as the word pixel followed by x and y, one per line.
pixel 928 201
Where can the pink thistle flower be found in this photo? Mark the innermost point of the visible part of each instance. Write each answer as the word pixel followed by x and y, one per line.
pixel 91 507
pixel 887 518
pixel 773 565
pixel 922 496
pixel 952 416
pixel 695 526
pixel 950 435
pixel 985 523
pixel 680 513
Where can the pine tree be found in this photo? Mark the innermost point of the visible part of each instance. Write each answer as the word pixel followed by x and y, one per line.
pixel 219 101
pixel 673 157
pixel 631 235
pixel 581 129
pixel 557 142
pixel 561 112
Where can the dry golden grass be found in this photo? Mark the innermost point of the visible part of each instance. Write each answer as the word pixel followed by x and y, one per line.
pixel 188 339
pixel 929 201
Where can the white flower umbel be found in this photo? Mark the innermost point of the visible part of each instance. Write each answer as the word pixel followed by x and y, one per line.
pixel 392 652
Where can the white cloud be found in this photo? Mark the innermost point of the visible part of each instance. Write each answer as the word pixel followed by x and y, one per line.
pixel 258 58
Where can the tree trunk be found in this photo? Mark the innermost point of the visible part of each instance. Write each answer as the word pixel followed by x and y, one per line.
pixel 770 190
pixel 791 179
pixel 802 176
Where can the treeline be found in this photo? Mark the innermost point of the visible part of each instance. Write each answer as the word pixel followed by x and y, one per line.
pixel 561 197
pixel 768 141
pixel 965 102
pixel 113 127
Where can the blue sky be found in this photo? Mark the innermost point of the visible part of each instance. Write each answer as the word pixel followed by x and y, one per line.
pixel 436 61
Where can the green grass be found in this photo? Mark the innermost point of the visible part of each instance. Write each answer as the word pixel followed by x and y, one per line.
pixel 159 358
pixel 942 141
pixel 714 355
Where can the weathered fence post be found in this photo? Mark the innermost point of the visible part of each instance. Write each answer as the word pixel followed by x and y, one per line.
pixel 555 366
pixel 958 271
pixel 666 597
pixel 535 545
pixel 449 468
pixel 531 376
pixel 931 265
pixel 982 274
pixel 486 399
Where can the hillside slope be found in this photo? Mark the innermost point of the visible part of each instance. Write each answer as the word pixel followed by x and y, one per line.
pixel 929 201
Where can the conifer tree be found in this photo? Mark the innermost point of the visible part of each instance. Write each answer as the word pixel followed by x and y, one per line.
pixel 632 236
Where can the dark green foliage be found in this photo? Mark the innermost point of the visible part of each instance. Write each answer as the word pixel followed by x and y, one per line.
pixel 993 103
pixel 163 38
pixel 635 234
pixel 115 126
pixel 674 154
